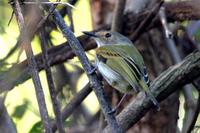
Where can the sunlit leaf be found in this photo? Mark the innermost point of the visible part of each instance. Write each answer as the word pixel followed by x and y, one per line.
pixel 37 128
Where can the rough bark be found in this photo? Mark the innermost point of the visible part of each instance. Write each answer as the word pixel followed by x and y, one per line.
pixel 163 86
pixel 61 53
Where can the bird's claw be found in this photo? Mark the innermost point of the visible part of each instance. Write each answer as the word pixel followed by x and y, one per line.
pixel 93 70
pixel 112 111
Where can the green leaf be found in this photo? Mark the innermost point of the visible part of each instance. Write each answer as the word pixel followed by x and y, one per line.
pixel 37 127
pixel 20 110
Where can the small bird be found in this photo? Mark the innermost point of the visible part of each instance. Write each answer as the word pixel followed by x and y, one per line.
pixel 121 64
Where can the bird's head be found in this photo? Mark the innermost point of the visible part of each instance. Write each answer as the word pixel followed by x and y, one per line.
pixel 103 38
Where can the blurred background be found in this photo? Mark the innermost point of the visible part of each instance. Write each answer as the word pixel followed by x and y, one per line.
pixel 88 15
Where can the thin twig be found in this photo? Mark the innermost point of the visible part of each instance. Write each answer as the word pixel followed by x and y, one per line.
pixel 146 22
pixel 31 32
pixel 95 83
pixel 50 3
pixel 7 125
pixel 74 103
pixel 12 50
pixel 18 73
pixel 118 15
pixel 163 19
pixel 52 89
pixel 11 17
pixel 32 68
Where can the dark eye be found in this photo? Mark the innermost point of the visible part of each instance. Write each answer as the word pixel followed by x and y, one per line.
pixel 107 35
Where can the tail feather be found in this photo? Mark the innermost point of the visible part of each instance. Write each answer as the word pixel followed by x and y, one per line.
pixel 149 94
pixel 153 99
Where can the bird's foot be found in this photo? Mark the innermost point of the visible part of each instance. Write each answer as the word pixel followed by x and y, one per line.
pixel 118 105
pixel 112 111
pixel 93 69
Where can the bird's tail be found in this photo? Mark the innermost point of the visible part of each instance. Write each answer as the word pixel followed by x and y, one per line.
pixel 149 94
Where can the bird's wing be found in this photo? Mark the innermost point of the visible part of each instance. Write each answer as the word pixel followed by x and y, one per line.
pixel 135 60
pixel 133 66
pixel 143 81
pixel 120 63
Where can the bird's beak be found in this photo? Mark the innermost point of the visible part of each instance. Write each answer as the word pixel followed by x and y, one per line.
pixel 91 34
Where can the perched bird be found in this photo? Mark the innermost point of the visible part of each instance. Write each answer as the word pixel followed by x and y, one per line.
pixel 121 64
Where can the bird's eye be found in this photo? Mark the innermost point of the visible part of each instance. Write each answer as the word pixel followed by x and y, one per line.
pixel 107 35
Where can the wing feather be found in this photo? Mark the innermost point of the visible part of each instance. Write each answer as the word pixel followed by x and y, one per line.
pixel 117 60
pixel 137 62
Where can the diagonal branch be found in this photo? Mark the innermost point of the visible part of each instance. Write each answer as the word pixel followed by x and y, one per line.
pixel 183 10
pixel 176 11
pixel 17 74
pixel 146 22
pixel 52 89
pixel 6 124
pixel 32 67
pixel 95 83
pixel 163 86
pixel 74 103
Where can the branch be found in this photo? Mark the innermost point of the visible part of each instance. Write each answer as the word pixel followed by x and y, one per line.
pixel 59 54
pixel 52 89
pixel 163 86
pixel 146 22
pixel 175 11
pixel 6 124
pixel 183 10
pixel 35 22
pixel 18 73
pixel 176 58
pixel 74 103
pixel 32 67
pixel 95 83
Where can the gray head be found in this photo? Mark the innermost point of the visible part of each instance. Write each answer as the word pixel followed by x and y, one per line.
pixel 109 38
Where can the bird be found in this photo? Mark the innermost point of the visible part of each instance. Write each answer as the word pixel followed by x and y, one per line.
pixel 121 64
